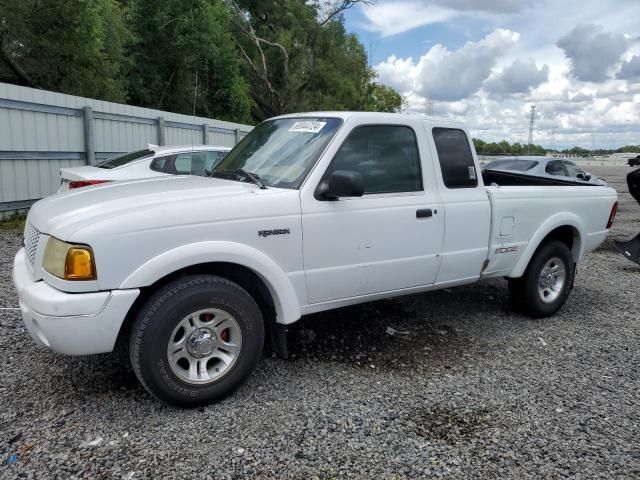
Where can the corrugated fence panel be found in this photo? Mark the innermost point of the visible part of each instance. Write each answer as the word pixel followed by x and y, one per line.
pixel 42 131
pixel 118 136
pixel 221 139
pixel 182 136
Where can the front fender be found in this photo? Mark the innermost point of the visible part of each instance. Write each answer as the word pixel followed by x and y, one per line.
pixel 284 296
pixel 562 219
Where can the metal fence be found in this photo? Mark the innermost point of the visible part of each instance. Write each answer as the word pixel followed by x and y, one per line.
pixel 42 131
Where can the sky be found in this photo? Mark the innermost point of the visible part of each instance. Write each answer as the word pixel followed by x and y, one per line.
pixel 488 61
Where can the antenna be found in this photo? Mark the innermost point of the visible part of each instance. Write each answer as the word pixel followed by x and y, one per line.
pixel 532 122
pixel 195 96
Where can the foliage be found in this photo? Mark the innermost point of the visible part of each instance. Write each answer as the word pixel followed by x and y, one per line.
pixel 602 151
pixel 183 56
pixel 505 148
pixel 14 221
pixel 250 59
pixel 299 57
pixel 71 46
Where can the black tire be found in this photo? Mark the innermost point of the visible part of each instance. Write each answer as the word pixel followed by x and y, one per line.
pixel 524 294
pixel 161 314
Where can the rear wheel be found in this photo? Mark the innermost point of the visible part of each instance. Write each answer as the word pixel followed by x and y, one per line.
pixel 196 340
pixel 546 282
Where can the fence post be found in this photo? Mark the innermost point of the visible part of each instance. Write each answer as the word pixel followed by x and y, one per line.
pixel 237 136
pixel 205 130
pixel 161 139
pixel 89 139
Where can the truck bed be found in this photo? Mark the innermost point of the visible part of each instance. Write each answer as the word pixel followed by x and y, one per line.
pixel 504 178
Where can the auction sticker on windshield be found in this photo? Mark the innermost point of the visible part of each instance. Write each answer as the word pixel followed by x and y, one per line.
pixel 307 127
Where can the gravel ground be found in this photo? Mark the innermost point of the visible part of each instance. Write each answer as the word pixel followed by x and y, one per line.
pixel 465 389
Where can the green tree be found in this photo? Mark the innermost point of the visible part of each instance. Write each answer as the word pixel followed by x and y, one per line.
pixel 183 55
pixel 298 56
pixel 381 98
pixel 70 46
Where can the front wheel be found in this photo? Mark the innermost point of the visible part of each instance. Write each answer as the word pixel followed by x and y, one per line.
pixel 546 282
pixel 196 340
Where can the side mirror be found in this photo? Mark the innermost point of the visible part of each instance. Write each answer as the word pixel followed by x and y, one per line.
pixel 584 176
pixel 341 183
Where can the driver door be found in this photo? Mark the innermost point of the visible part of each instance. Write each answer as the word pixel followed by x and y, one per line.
pixel 388 239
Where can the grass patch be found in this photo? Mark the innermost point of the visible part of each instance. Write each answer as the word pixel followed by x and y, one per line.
pixel 13 222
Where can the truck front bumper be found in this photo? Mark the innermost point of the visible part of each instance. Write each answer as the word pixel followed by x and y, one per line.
pixel 70 323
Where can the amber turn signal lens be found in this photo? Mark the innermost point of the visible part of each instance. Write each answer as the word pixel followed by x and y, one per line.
pixel 79 264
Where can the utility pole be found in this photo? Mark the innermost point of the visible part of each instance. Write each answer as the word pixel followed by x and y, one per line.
pixel 532 122
pixel 429 106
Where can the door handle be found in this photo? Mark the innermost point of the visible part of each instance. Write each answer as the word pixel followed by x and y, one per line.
pixel 424 213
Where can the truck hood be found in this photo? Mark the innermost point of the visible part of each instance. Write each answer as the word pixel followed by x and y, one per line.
pixel 63 214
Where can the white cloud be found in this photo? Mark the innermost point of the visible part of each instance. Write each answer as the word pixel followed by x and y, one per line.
pixel 630 70
pixel 579 66
pixel 520 77
pixel 592 51
pixel 446 75
pixel 391 18
pixel 496 6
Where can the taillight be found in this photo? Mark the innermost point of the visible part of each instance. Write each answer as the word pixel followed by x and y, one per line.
pixel 612 215
pixel 85 183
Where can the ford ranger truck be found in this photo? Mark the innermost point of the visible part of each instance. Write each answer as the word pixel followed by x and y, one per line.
pixel 309 212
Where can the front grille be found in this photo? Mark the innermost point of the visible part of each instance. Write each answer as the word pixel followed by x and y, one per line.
pixel 31 238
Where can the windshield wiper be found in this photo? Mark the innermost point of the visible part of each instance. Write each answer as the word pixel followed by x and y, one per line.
pixel 240 174
pixel 251 176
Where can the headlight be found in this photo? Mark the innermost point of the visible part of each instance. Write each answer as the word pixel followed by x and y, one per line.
pixel 69 261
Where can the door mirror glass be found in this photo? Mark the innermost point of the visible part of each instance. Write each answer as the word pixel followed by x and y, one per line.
pixel 341 183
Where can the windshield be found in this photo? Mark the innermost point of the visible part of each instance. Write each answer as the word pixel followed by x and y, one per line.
pixel 279 153
pixel 517 165
pixel 120 160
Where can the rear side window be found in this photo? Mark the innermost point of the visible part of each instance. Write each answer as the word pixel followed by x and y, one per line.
pixel 385 155
pixel 555 168
pixel 456 159
pixel 212 158
pixel 195 163
pixel 159 164
pixel 572 169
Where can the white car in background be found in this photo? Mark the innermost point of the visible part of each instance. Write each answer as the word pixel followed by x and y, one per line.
pixel 548 167
pixel 154 161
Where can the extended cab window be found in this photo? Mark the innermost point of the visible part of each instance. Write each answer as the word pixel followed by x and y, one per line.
pixel 456 159
pixel 385 155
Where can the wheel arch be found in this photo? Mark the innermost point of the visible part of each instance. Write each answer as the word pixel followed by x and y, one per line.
pixel 250 268
pixel 565 227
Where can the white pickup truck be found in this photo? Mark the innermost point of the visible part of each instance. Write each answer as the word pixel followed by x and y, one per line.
pixel 309 212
